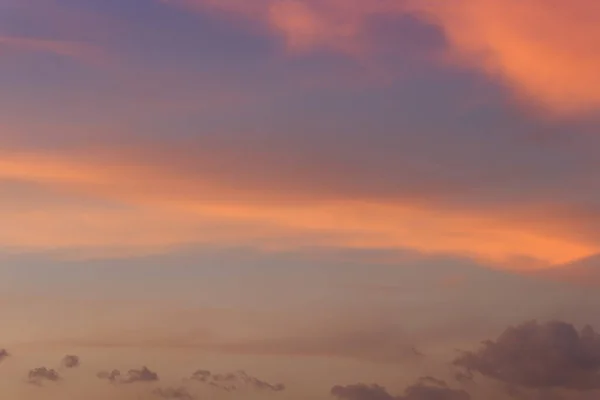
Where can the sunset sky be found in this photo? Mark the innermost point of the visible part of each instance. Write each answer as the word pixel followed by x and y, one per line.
pixel 346 199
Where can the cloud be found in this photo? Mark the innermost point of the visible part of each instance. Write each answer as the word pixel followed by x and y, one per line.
pixel 113 376
pixel 584 272
pixel 544 50
pixel 305 25
pixel 201 375
pixel 534 355
pixel 38 375
pixel 79 51
pixel 132 376
pixel 234 381
pixel 71 361
pixel 361 392
pixel 194 207
pixel 426 388
pixel 140 375
pixel 170 393
pixel 464 376
pixel 546 54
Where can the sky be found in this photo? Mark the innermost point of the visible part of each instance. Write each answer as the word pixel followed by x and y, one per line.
pixel 299 199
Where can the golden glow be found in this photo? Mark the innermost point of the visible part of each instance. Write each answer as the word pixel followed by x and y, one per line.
pixel 179 212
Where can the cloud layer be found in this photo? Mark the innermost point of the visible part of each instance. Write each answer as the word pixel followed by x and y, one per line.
pixel 181 213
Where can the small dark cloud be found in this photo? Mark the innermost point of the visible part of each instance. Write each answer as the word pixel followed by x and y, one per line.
pixel 4 354
pixel 416 352
pixel 140 375
pixel 132 376
pixel 179 393
pixel 426 388
pixel 361 391
pixel 433 390
pixel 433 381
pixel 113 376
pixel 533 355
pixel 71 361
pixel 233 381
pixel 201 375
pixel 38 375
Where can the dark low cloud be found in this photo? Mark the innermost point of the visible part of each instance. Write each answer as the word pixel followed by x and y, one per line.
pixel 38 375
pixel 112 376
pixel 233 381
pixel 133 375
pixel 4 354
pixel 140 375
pixel 201 375
pixel 179 393
pixel 534 355
pixel 426 388
pixel 71 361
pixel 361 391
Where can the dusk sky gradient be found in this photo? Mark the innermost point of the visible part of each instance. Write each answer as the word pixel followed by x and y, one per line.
pixel 326 194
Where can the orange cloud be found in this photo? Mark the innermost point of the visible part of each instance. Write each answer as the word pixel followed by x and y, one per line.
pixel 158 209
pixel 545 50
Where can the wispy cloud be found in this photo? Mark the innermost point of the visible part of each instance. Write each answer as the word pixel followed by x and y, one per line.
pixel 308 25
pixel 180 212
pixel 78 51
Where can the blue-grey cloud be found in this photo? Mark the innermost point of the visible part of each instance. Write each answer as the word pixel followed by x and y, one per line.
pixel 132 376
pixel 427 388
pixel 535 355
pixel 37 376
pixel 173 393
pixel 71 361
pixel 234 381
